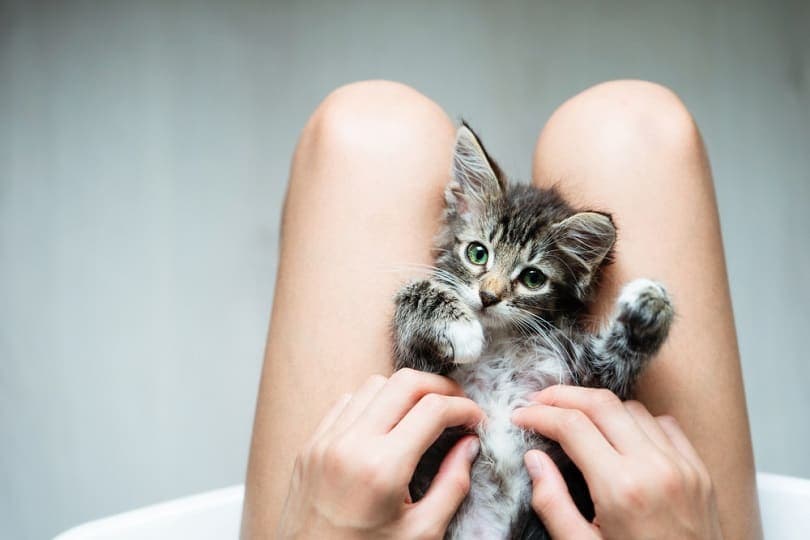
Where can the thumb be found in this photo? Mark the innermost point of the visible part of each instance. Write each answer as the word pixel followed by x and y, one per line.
pixel 450 485
pixel 551 500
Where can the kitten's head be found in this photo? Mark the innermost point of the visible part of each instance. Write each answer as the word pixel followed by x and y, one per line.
pixel 515 252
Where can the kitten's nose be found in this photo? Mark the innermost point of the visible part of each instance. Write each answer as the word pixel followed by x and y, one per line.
pixel 488 299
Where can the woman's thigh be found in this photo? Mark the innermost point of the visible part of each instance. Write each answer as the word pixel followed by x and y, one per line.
pixel 363 203
pixel 631 148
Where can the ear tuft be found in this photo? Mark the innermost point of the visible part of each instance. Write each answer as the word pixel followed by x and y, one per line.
pixel 476 178
pixel 585 239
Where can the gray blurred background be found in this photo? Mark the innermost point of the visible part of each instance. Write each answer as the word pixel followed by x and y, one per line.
pixel 144 150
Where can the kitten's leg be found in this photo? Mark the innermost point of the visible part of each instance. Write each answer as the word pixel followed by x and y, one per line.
pixel 434 329
pixel 636 331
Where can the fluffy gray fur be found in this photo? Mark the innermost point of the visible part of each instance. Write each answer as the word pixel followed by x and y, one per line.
pixel 502 336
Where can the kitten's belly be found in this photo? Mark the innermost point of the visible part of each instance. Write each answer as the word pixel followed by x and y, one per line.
pixel 500 382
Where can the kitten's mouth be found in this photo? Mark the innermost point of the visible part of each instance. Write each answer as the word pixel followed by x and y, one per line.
pixel 487 315
pixel 490 318
pixel 491 308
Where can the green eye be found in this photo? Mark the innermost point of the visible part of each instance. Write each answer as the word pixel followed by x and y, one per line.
pixel 532 278
pixel 477 253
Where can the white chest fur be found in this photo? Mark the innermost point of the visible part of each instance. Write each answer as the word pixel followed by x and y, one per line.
pixel 500 381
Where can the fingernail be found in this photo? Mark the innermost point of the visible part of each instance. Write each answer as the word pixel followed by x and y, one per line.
pixel 533 464
pixel 473 447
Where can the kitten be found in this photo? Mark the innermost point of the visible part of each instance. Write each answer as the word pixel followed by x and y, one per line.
pixel 516 268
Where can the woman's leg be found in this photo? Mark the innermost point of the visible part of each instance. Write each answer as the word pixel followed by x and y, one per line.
pixel 364 199
pixel 631 148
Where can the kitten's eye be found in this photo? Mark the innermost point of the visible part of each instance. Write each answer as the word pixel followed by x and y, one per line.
pixel 532 278
pixel 477 253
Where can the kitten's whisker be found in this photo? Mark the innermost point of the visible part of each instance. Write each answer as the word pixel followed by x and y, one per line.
pixel 530 325
pixel 552 335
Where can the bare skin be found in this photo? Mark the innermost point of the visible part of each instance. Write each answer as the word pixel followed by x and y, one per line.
pixel 350 481
pixel 631 147
pixel 344 484
pixel 364 201
pixel 664 490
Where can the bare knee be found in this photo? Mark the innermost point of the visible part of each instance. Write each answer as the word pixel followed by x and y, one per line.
pixel 616 122
pixel 373 123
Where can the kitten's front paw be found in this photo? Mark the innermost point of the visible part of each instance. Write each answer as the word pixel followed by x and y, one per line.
pixel 647 312
pixel 465 341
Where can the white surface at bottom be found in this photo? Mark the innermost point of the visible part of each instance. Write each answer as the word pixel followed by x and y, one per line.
pixel 215 515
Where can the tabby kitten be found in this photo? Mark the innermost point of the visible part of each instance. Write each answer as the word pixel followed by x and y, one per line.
pixel 516 267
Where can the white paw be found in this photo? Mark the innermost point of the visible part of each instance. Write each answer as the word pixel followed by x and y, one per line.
pixel 466 340
pixel 632 291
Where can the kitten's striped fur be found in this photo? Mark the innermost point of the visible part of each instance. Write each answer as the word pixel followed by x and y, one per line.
pixel 527 339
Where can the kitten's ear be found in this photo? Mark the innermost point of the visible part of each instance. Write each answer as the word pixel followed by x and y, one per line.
pixel 476 178
pixel 585 239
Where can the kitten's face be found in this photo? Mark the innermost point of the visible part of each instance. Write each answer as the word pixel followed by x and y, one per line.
pixel 503 280
pixel 508 262
pixel 516 255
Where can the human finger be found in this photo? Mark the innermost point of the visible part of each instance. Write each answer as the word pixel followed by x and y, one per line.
pixel 427 420
pixel 552 502
pixel 400 393
pixel 604 409
pixel 448 488
pixel 651 427
pixel 358 403
pixel 331 416
pixel 576 433
pixel 679 440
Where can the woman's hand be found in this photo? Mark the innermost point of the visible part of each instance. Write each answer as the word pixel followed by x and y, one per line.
pixel 351 479
pixel 645 478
